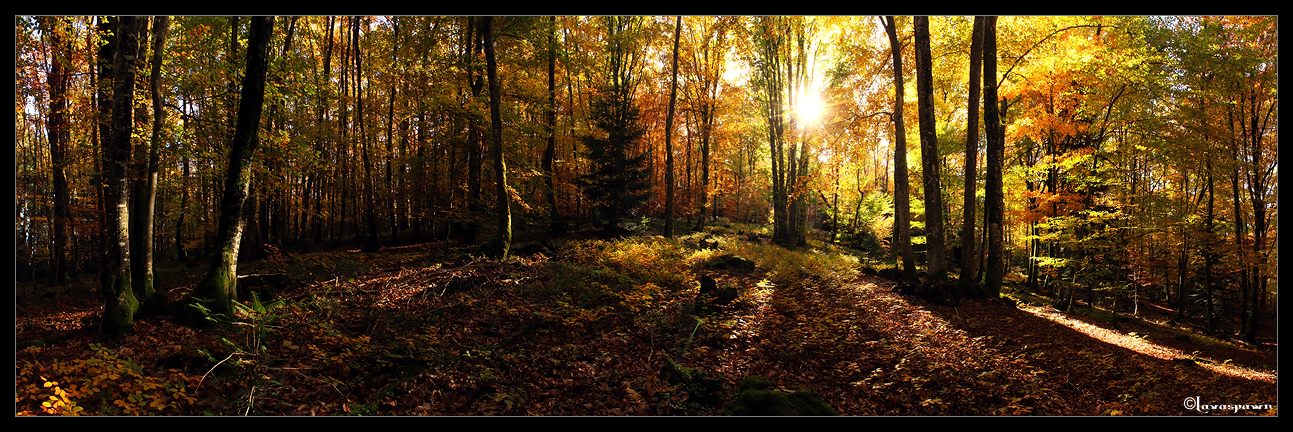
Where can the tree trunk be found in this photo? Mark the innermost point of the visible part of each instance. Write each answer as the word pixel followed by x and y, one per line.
pixel 1208 245
pixel 550 152
pixel 993 196
pixel 119 298
pixel 967 282
pixel 104 58
pixel 219 287
pixel 901 194
pixel 57 127
pixel 930 160
pixel 370 196
pixel 391 204
pixel 503 210
pixel 668 135
pixel 143 214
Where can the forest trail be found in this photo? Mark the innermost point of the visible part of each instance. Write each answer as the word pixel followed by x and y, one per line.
pixel 585 328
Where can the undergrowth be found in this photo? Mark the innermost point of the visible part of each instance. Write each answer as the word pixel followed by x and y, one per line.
pixel 102 384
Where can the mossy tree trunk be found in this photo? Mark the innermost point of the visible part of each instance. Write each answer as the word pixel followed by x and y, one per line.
pixel 119 299
pixel 219 287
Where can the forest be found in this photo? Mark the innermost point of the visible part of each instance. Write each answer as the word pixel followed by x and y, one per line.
pixel 646 215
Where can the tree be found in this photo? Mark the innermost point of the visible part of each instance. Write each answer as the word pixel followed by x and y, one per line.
pixel 60 48
pixel 120 302
pixel 617 181
pixel 668 135
pixel 993 196
pixel 967 282
pixel 145 200
pixel 503 238
pixel 550 152
pixel 930 160
pixel 706 73
pixel 780 63
pixel 219 287
pixel 901 194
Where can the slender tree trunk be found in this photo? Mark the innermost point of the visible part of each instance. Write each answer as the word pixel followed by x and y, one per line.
pixel 371 243
pixel 219 287
pixel 474 139
pixel 994 199
pixel 901 194
pixel 503 209
pixel 142 215
pixel 967 281
pixel 668 135
pixel 1237 211
pixel 120 303
pixel 1208 245
pixel 550 152
pixel 60 49
pixel 391 203
pixel 180 252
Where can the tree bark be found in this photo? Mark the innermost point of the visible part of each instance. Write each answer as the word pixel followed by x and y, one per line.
pixel 994 199
pixel 901 194
pixel 219 287
pixel 929 156
pixel 967 281
pixel 550 152
pixel 104 58
pixel 119 298
pixel 503 210
pixel 143 214
pixel 60 49
pixel 668 135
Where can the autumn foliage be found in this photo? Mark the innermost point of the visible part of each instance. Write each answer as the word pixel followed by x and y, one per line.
pixel 1111 230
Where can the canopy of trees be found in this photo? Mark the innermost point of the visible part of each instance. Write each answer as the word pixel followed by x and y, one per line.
pixel 1138 155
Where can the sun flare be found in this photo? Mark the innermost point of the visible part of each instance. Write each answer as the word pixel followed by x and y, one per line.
pixel 810 108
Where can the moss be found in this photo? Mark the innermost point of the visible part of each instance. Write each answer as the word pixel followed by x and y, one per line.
pixel 699 385
pixel 120 307
pixel 215 292
pixel 757 396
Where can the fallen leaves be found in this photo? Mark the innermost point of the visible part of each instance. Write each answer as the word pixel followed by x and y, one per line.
pixel 586 332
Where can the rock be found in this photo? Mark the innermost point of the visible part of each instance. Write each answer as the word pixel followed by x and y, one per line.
pixel 712 298
pixel 732 262
pixel 760 397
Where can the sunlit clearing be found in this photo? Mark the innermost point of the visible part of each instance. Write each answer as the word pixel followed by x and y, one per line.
pixel 1143 346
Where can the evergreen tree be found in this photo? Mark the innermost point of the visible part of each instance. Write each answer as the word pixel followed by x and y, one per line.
pixel 618 181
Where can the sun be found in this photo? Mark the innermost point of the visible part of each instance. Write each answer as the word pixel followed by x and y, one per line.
pixel 810 108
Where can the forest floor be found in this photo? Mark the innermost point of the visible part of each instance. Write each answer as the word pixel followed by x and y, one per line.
pixel 585 327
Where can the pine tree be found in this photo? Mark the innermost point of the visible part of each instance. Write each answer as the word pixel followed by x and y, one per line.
pixel 618 181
